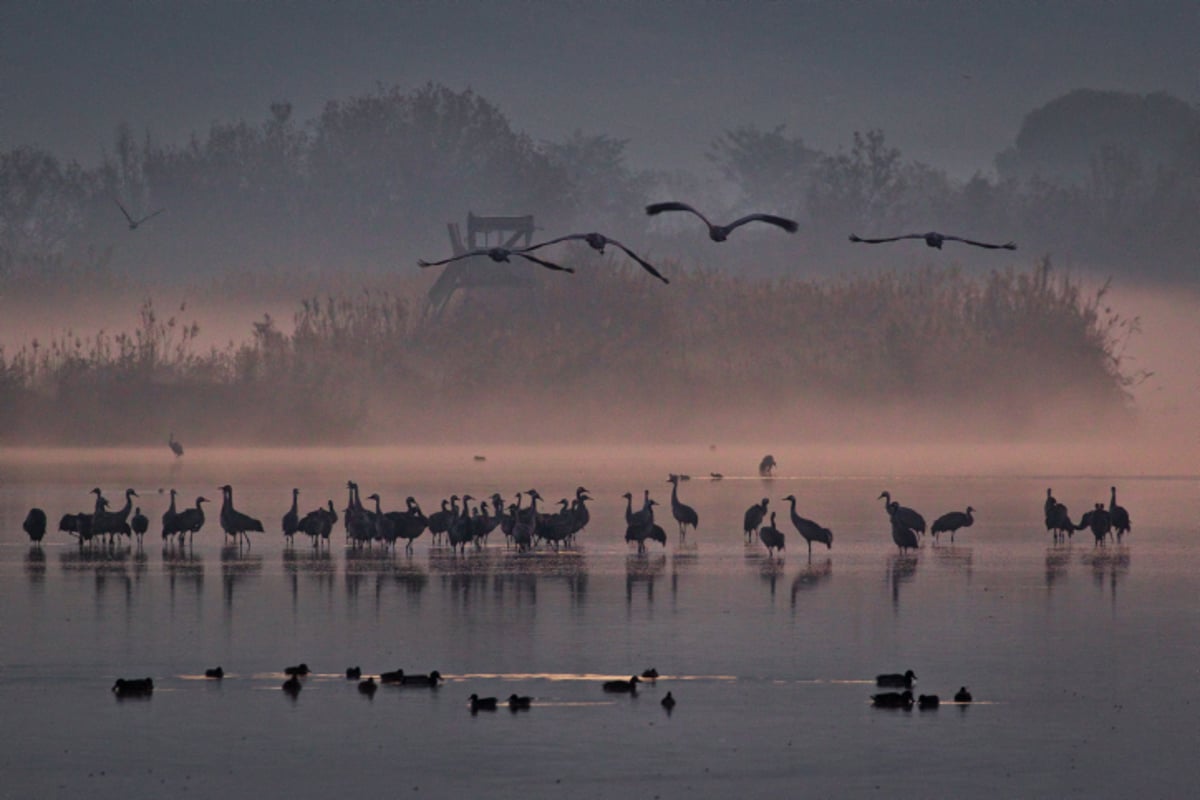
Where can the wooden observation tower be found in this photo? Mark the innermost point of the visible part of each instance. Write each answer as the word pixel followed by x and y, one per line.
pixel 470 273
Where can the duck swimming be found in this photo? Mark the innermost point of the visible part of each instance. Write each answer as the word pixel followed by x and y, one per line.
pixel 628 687
pixel 217 673
pixel 482 703
pixel 896 679
pixel 893 700
pixel 962 696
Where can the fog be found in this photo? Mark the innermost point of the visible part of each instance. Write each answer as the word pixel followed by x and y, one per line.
pixel 315 158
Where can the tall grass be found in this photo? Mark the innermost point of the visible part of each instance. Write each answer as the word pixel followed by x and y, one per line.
pixel 597 353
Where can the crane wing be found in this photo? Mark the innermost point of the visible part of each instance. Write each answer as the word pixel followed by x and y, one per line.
pixel 789 225
pixel 546 264
pixel 855 238
pixel 645 264
pixel 1005 246
pixel 674 205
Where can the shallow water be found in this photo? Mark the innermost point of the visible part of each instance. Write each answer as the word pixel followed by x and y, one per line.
pixel 1082 660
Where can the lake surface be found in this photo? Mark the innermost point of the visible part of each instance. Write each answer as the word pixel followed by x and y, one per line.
pixel 1084 661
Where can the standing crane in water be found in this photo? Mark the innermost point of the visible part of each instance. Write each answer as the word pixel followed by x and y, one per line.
pixel 771 536
pixel 174 444
pixel 753 518
pixel 684 514
pixel 1120 517
pixel 233 522
pixel 811 531
pixel 951 522
pixel 908 517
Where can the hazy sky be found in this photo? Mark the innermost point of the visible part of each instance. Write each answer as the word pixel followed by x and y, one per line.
pixel 948 81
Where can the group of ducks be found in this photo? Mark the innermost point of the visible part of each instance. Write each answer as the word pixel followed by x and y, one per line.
pixel 904 699
pixel 1103 522
pixel 144 687
pixel 717 233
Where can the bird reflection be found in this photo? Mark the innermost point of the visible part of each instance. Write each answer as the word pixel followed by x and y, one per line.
pixel 1057 558
pixel 683 561
pixel 641 568
pixel 901 569
pixel 811 577
pixel 183 568
pixel 318 564
pixel 412 578
pixel 35 565
pixel 771 570
pixel 237 564
pixel 1111 564
pixel 954 556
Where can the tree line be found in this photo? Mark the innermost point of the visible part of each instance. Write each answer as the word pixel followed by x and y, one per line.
pixel 372 180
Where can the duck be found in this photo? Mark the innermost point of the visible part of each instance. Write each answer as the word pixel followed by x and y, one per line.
pixel 629 686
pixel 927 701
pixel 353 673
pixel 133 687
pixel 519 703
pixel 396 676
pixel 482 703
pixel 896 679
pixel 431 680
pixel 962 696
pixel 299 669
pixel 893 699
pixel 650 674
pixel 292 686
pixel 216 673
pixel 367 687
pixel 668 702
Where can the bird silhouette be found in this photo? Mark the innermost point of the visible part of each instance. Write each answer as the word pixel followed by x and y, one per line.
pixel 134 223
pixel 598 241
pixel 291 520
pixel 1120 517
pixel 139 523
pixel 233 522
pixel 719 233
pixel 904 680
pixel 935 239
pixel 684 514
pixel 174 444
pixel 35 524
pixel 754 517
pixel 771 536
pixel 811 531
pixel 497 254
pixel 907 516
pixel 951 522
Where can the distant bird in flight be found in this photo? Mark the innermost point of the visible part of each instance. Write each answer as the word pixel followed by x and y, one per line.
pixel 598 241
pixel 719 233
pixel 935 239
pixel 133 223
pixel 497 254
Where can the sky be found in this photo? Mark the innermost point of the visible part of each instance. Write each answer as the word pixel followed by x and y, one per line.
pixel 948 82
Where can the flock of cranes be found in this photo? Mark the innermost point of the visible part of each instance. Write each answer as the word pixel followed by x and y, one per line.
pixel 717 233
pixel 1103 522
pixel 460 521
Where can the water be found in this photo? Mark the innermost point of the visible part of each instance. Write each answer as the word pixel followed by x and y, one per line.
pixel 1083 661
